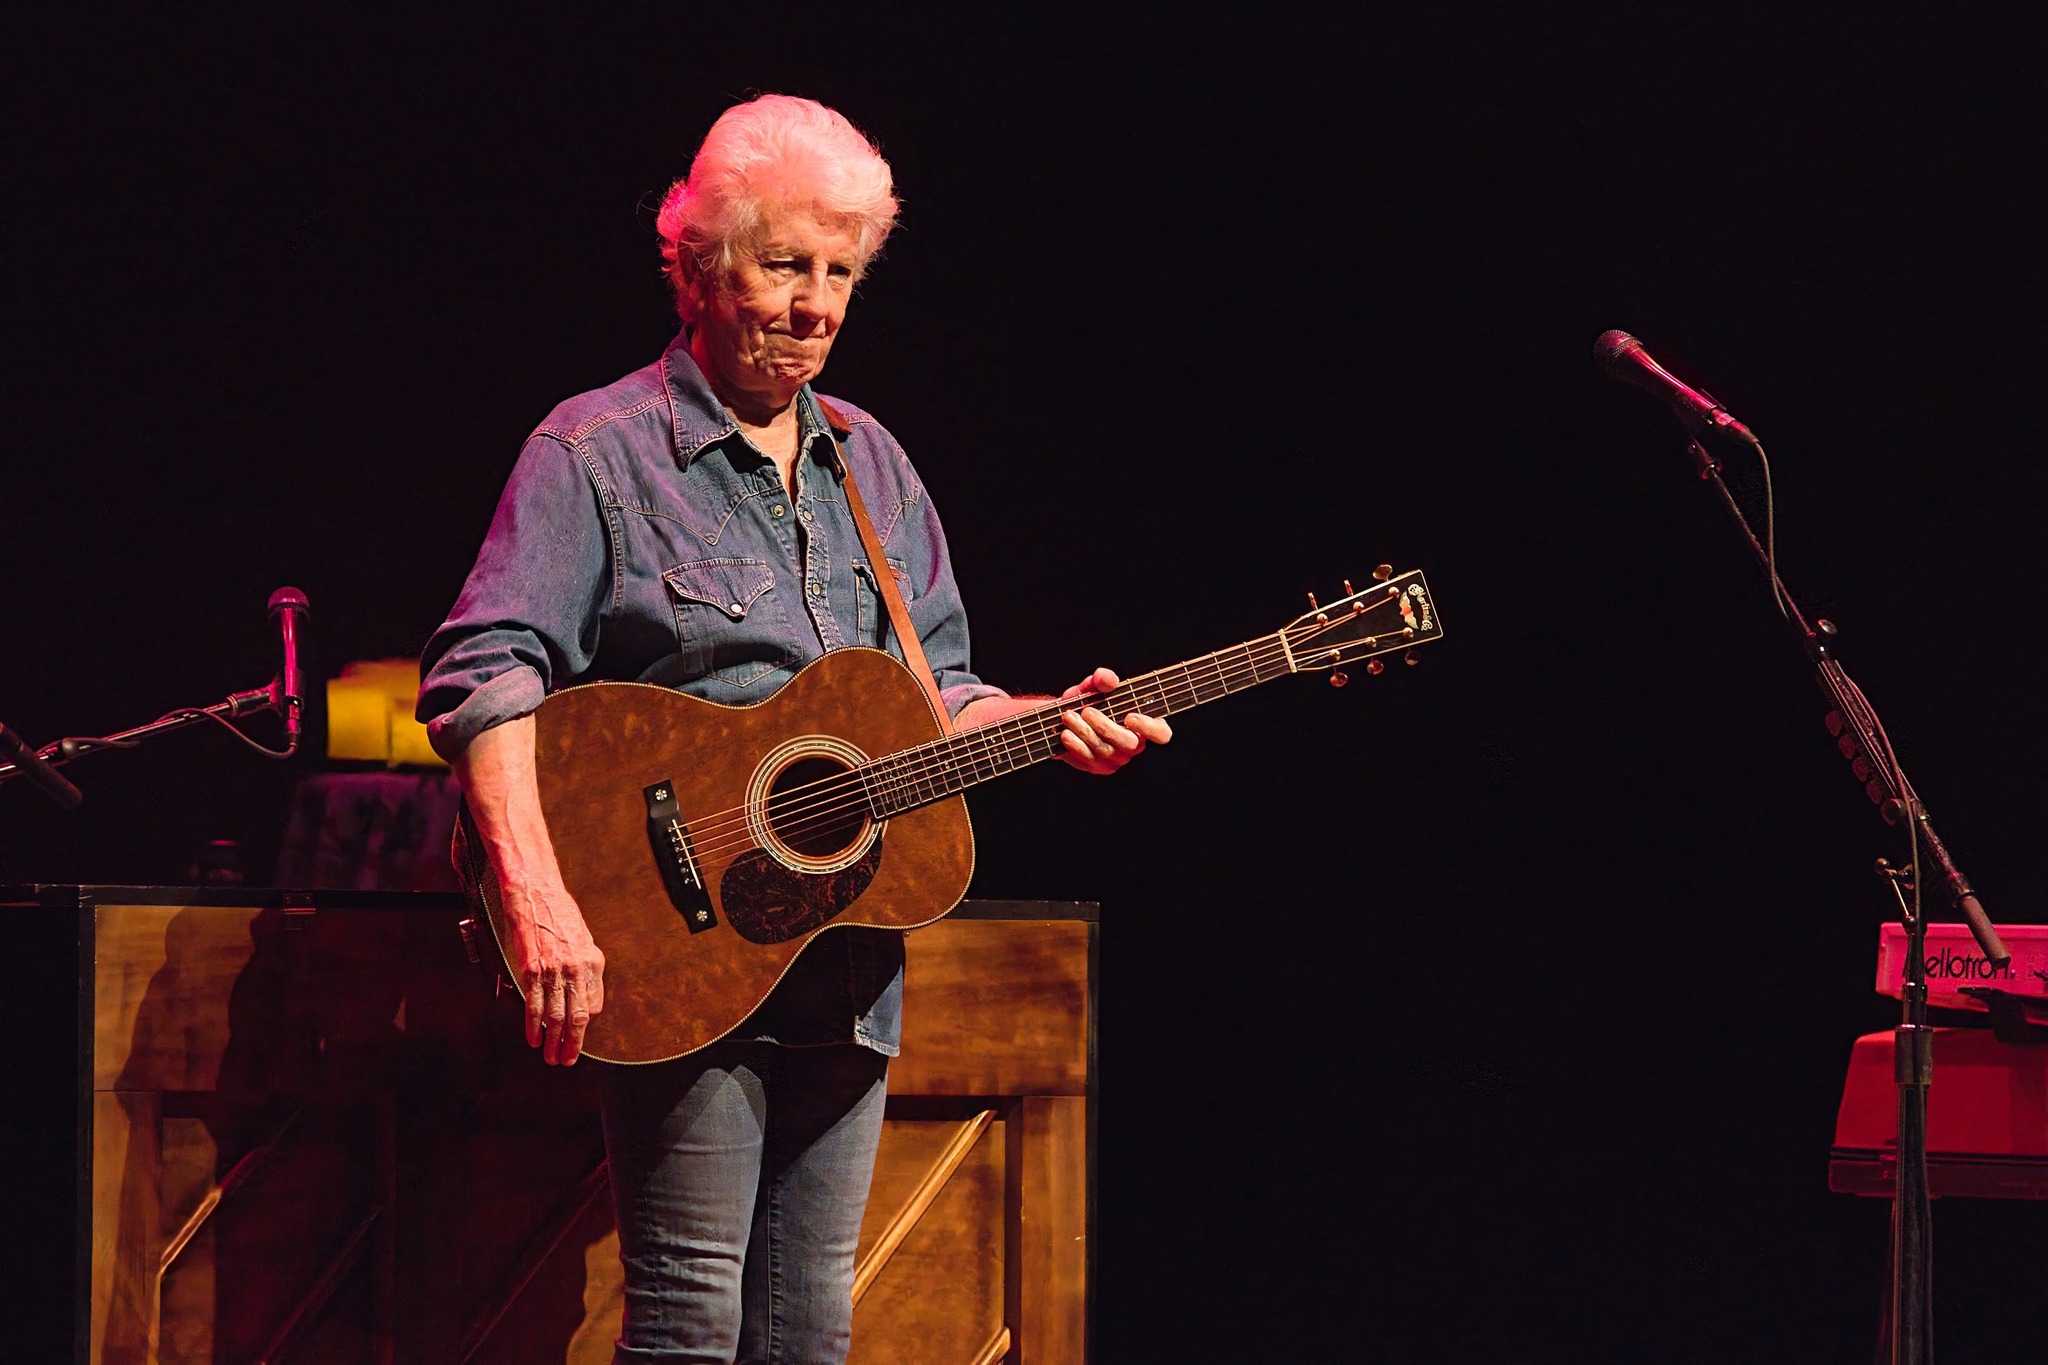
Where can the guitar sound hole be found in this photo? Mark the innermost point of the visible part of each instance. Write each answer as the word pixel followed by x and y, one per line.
pixel 812 814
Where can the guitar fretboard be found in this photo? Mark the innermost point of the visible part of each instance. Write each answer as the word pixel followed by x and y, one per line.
pixel 946 767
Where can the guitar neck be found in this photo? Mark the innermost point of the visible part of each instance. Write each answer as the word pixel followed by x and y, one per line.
pixel 946 767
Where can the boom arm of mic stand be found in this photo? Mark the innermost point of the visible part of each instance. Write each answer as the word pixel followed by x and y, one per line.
pixel 1850 704
pixel 237 704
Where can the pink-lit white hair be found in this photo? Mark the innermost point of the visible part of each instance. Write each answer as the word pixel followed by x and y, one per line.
pixel 775 152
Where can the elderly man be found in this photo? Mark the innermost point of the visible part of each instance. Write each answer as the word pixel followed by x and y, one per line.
pixel 687 526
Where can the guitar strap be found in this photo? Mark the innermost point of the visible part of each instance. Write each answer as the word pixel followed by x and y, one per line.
pixel 836 425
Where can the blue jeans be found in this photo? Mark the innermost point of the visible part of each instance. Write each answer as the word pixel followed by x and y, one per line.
pixel 739 1175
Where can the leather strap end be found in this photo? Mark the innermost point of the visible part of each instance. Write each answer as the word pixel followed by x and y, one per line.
pixel 885 582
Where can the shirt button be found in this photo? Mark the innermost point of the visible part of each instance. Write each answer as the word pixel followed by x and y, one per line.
pixel 778 509
pixel 735 608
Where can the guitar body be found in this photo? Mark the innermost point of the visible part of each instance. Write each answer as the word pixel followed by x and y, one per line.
pixel 760 823
pixel 708 844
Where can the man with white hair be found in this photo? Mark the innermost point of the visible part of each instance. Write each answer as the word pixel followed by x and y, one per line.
pixel 687 526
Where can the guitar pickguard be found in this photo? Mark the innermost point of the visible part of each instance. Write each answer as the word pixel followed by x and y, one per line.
pixel 766 902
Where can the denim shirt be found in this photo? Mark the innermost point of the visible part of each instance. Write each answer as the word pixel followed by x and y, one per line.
pixel 643 538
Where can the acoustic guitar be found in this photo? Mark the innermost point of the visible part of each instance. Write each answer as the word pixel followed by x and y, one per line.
pixel 708 844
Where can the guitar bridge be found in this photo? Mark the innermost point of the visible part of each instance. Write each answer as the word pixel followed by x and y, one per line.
pixel 677 859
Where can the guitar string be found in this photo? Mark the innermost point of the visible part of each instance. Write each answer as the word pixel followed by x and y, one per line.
pixel 1026 733
pixel 1253 658
pixel 1029 736
pixel 825 801
pixel 908 781
pixel 915 779
pixel 930 765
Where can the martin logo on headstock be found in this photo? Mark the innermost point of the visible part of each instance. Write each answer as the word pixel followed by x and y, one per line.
pixel 1360 626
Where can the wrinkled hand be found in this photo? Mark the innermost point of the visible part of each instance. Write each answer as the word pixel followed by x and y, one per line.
pixel 559 966
pixel 1097 744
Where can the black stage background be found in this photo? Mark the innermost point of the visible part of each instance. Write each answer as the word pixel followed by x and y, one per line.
pixel 1490 1010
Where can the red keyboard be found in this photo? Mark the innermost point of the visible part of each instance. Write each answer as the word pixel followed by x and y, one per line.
pixel 1955 963
pixel 1987 1111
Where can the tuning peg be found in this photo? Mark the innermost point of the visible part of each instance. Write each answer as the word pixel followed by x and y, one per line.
pixel 1383 573
pixel 1347 587
pixel 1313 605
pixel 1339 678
pixel 1375 666
pixel 1411 658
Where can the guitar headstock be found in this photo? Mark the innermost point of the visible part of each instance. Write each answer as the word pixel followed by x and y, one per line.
pixel 1395 613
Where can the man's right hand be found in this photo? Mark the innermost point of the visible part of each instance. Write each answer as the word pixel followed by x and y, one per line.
pixel 559 966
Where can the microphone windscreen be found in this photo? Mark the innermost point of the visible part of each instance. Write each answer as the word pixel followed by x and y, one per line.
pixel 1611 346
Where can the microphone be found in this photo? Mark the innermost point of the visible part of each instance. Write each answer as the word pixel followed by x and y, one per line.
pixel 1622 357
pixel 25 759
pixel 288 609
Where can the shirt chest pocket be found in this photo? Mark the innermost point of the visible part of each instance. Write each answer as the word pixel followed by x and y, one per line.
pixel 871 613
pixel 731 625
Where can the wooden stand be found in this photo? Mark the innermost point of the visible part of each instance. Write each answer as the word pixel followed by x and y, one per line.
pixel 307 1131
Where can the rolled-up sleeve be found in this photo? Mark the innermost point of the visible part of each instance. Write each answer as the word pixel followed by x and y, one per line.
pixel 530 612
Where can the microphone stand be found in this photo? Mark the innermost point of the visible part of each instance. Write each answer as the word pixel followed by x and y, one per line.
pixel 1909 1320
pixel 282 695
pixel 237 704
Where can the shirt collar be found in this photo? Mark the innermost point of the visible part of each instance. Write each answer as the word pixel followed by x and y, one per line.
pixel 700 420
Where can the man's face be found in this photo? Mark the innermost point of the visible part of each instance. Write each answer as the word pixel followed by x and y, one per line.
pixel 765 331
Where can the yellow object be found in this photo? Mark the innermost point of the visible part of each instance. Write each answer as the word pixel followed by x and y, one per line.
pixel 408 736
pixel 369 714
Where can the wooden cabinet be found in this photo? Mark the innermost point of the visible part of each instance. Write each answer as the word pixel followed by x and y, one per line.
pixel 308 1130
